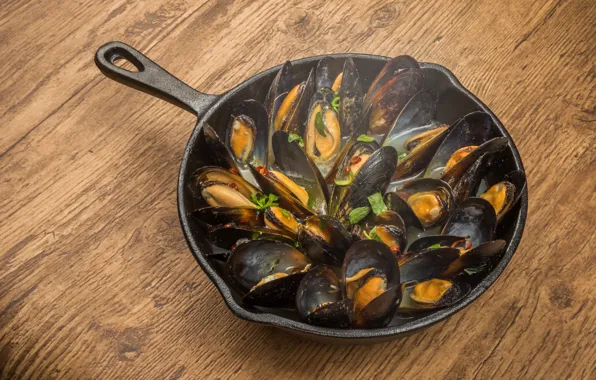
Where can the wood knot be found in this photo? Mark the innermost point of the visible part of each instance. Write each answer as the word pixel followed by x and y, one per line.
pixel 561 296
pixel 383 16
pixel 299 24
pixel 129 343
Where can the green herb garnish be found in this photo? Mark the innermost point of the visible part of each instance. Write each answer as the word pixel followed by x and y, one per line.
pixel 319 124
pixel 285 213
pixel 357 214
pixel 264 201
pixel 401 156
pixel 336 102
pixel 377 204
pixel 295 137
pixel 372 235
pixel 256 235
pixel 365 138
pixel 347 181
pixel 435 246
pixel 475 270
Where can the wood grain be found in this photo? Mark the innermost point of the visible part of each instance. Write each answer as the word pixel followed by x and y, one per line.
pixel 97 281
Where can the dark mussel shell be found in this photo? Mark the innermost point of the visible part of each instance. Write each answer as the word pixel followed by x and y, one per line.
pixel 427 264
pixel 373 177
pixel 278 218
pixel 430 199
pixel 227 236
pixel 504 194
pixel 475 219
pixel 390 99
pixel 476 260
pixel 217 153
pixel 448 241
pixel 454 294
pixel 389 70
pixel 471 130
pixel 390 228
pixel 252 262
pixel 327 73
pixel 293 162
pixel 456 172
pixel 417 113
pixel 396 203
pixel 471 180
pixel 222 188
pixel 324 239
pixel 254 113
pixel 351 100
pixel 367 260
pixel 319 299
pixel 344 168
pixel 214 216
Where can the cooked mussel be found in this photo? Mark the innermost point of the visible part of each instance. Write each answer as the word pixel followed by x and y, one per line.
pixel 229 235
pixel 322 137
pixel 396 203
pixel 278 218
pixel 393 67
pixel 246 137
pixel 221 188
pixel 504 194
pixel 439 241
pixel 319 299
pixel 387 227
pixel 431 294
pixel 324 239
pixel 328 74
pixel 474 219
pixel 248 216
pixel 426 264
pixel 267 272
pixel 350 97
pixel 370 278
pixel 475 260
pixel 430 199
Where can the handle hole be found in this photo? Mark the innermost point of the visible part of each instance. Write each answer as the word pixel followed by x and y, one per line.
pixel 125 64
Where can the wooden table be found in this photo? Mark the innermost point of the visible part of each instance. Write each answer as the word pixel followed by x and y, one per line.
pixel 96 279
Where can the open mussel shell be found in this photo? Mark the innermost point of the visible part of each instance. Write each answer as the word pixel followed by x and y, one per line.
pixel 430 199
pixel 247 216
pixel 267 272
pixel 292 161
pixel 319 299
pixel 389 228
pixel 351 105
pixel 475 219
pixel 453 175
pixel 322 135
pixel 471 180
pixel 476 260
pixel 324 239
pixel 246 137
pixel 504 194
pixel 278 218
pixel 389 70
pixel 415 116
pixel 373 177
pixel 472 130
pixel 327 72
pixel 228 235
pixel 348 168
pixel 396 203
pixel 389 100
pixel 221 188
pixel 426 264
pixel 370 278
pixel 444 241
pixel 456 291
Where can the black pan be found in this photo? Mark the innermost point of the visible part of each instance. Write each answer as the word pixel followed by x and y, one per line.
pixel 454 102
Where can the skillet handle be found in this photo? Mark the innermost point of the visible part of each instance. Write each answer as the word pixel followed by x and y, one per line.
pixel 150 77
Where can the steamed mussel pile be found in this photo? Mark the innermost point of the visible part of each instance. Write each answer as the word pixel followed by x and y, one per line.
pixel 353 208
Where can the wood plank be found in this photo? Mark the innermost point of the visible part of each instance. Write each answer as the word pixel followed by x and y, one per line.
pixel 97 279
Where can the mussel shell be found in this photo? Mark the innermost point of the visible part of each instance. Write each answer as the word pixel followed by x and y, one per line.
pixel 473 129
pixel 366 254
pixel 319 299
pixel 517 178
pixel 280 292
pixel 455 173
pixel 417 112
pixel 324 239
pixel 430 185
pixel 374 176
pixel 212 175
pixel 389 70
pixel 283 222
pixel 327 70
pixel 295 164
pixel 227 235
pixel 380 311
pixel 401 207
pixel 471 180
pixel 479 258
pixel 314 141
pixel 258 114
pixel 351 99
pixel 427 241
pixel 391 223
pixel 224 215
pixel 455 294
pixel 250 262
pixel 390 99
pixel 474 218
pixel 427 264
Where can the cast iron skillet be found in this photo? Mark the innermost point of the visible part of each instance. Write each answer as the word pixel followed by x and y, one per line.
pixel 454 102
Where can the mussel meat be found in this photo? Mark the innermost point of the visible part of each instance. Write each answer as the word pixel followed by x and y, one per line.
pixel 430 199
pixel 324 239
